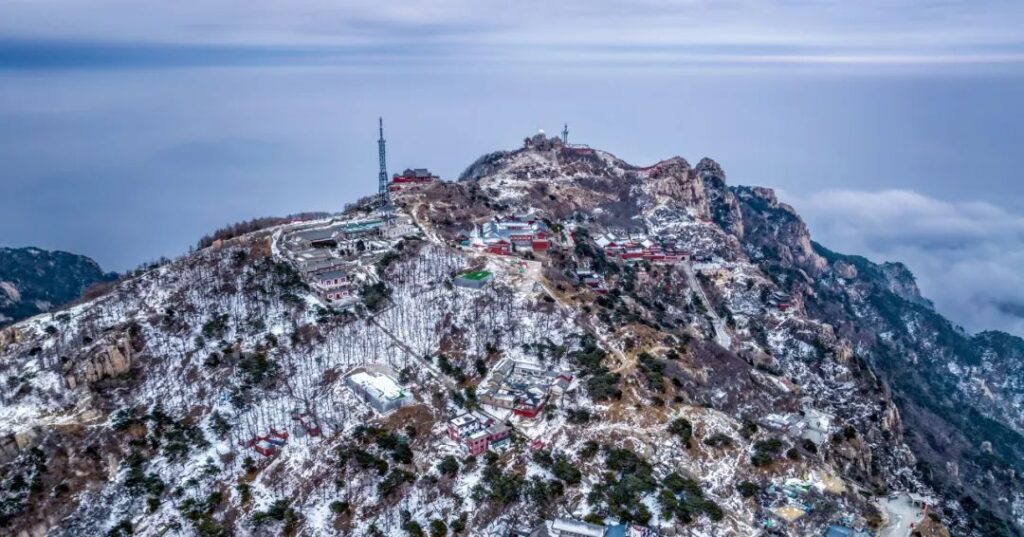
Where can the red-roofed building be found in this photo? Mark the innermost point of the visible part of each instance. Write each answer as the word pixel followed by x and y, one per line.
pixel 411 178
pixel 476 432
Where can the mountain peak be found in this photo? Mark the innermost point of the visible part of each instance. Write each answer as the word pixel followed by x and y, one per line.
pixel 708 167
pixel 559 333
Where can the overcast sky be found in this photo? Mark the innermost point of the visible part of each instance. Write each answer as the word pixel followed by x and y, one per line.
pixel 130 128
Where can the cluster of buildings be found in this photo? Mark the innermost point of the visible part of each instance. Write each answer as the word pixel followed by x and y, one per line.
pixel 338 234
pixel 477 433
pixel 792 499
pixel 268 444
pixel 377 386
pixel 329 255
pixel 779 300
pixel 640 248
pixel 411 178
pixel 517 233
pixel 811 424
pixel 592 281
pixel 522 387
pixel 307 423
pixel 788 501
pixel 374 384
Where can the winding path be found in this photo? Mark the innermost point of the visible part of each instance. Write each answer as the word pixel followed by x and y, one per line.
pixel 721 334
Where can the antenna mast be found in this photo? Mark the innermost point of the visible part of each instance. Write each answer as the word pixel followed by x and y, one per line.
pixel 383 177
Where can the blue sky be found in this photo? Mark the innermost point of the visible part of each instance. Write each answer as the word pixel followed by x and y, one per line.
pixel 130 128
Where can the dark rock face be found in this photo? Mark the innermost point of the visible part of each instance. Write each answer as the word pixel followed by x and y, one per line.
pixel 34 280
pixel 775 234
pixel 725 211
pixel 955 393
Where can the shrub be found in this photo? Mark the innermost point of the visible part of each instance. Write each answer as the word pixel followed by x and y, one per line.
pixel 765 452
pixel 498 487
pixel 438 528
pixel 215 326
pixel 577 417
pixel 340 507
pixel 719 440
pixel 653 371
pixel 629 478
pixel 589 449
pixel 459 524
pixel 543 458
pixel 748 430
pixel 448 466
pixel 402 453
pixel 682 428
pixel 393 481
pixel 413 528
pixel 278 511
pixel 375 295
pixel 244 492
pixel 122 528
pixel 747 489
pixel 566 471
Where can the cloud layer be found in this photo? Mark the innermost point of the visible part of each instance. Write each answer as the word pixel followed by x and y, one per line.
pixel 967 255
pixel 692 31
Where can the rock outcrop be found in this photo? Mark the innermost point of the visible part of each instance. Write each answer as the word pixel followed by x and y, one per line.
pixel 110 358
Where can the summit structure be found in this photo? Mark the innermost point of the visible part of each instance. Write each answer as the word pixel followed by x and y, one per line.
pixel 382 177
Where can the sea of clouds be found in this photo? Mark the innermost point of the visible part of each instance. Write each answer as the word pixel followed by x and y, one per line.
pixel 967 255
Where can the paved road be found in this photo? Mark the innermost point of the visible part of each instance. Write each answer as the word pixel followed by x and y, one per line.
pixel 721 334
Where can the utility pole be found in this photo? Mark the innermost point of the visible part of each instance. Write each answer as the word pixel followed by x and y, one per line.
pixel 383 178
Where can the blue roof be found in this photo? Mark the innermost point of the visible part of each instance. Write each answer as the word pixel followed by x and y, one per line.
pixel 616 531
pixel 838 531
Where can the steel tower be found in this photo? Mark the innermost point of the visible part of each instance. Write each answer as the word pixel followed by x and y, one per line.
pixel 383 177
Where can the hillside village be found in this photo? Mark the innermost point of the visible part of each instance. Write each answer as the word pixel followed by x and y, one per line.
pixel 462 358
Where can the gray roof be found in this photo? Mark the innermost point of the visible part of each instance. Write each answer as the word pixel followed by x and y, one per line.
pixel 577 527
pixel 332 274
pixel 316 234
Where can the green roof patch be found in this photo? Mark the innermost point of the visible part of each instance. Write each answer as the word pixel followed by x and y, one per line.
pixel 476 275
pixel 474 279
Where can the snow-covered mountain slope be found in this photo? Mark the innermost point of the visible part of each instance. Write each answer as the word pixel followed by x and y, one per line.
pixel 717 394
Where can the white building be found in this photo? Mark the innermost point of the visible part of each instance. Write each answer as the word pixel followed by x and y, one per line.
pixel 379 390
pixel 564 527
